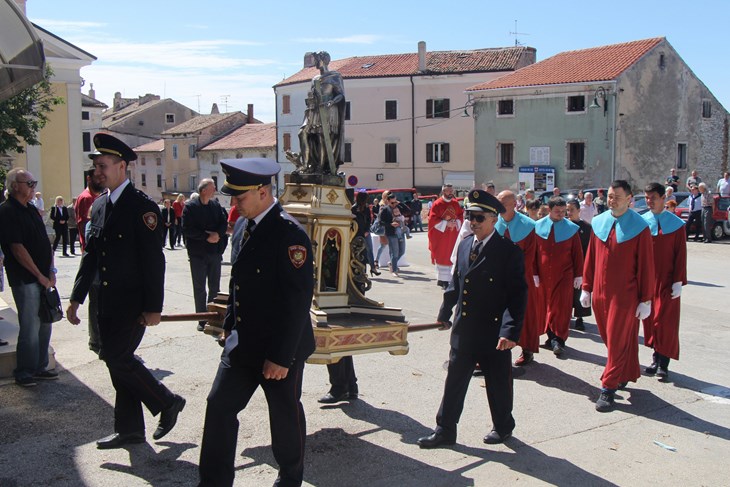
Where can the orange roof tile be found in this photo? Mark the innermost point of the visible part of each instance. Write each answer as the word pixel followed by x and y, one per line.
pixel 249 136
pixel 602 63
pixel 155 146
pixel 437 62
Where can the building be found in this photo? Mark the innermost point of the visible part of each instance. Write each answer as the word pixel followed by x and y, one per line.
pixel 148 171
pixel 91 113
pixel 625 111
pixel 250 140
pixel 404 124
pixel 137 121
pixel 182 167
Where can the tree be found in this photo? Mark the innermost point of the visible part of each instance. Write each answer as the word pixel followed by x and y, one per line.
pixel 25 114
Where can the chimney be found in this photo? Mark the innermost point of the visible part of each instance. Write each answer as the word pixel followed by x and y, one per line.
pixel 21 6
pixel 92 91
pixel 250 113
pixel 214 109
pixel 422 56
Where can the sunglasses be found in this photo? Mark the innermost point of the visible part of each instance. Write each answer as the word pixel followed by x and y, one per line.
pixel 31 184
pixel 476 217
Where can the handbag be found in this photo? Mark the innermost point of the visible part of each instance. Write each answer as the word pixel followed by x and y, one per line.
pixel 377 228
pixel 50 309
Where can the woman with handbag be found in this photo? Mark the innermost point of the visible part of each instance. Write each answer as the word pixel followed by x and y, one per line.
pixel 363 217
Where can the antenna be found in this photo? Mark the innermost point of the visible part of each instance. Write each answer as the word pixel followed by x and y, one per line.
pixel 224 99
pixel 515 33
pixel 198 96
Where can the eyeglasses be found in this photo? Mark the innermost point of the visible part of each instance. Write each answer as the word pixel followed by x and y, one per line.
pixel 31 184
pixel 476 217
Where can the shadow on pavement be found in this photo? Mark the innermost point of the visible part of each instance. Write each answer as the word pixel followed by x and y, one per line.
pixel 158 469
pixel 549 376
pixel 702 284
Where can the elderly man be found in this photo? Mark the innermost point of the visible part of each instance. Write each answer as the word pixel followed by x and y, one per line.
pixel 695 212
pixel 708 205
pixel 29 264
pixel 587 209
pixel 723 185
pixel 444 222
pixel 489 291
pixel 693 180
pixel 204 224
pixel 619 279
pixel 661 328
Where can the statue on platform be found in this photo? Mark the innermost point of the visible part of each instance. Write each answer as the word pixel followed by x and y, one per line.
pixel 321 136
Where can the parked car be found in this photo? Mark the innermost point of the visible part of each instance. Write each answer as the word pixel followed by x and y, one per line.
pixel 567 195
pixel 719 214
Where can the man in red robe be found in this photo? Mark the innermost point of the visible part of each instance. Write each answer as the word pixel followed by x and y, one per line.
pixel 444 221
pixel 520 229
pixel 619 277
pixel 560 270
pixel 661 328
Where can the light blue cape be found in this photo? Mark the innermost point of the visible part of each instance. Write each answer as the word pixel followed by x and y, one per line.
pixel 519 227
pixel 564 229
pixel 669 222
pixel 628 225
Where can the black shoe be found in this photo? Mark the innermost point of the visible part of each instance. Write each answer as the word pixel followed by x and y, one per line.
pixel 3 342
pixel 622 385
pixel 352 395
pixel 46 375
pixel 26 382
pixel 118 440
pixel 442 284
pixel 557 348
pixel 435 440
pixel 662 372
pixel 330 398
pixel 201 326
pixel 579 324
pixel 374 272
pixel 604 402
pixel 168 417
pixel 478 372
pixel 651 370
pixel 494 438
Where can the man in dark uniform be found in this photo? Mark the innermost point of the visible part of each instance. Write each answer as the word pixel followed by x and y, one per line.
pixel 124 248
pixel 489 290
pixel 267 328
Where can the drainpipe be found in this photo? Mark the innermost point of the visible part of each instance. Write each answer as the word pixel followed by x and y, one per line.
pixel 413 134
pixel 613 136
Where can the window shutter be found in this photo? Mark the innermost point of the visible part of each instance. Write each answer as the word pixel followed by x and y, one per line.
pixel 429 108
pixel 447 108
pixel 446 152
pixel 429 152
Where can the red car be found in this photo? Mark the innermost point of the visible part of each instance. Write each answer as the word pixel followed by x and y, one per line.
pixel 719 214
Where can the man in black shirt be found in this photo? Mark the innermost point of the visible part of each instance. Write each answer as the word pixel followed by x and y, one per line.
pixel 204 225
pixel 29 262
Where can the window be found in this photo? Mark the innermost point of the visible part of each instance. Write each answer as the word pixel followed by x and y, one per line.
pixel 286 140
pixel 86 141
pixel 681 156
pixel 437 108
pixel 505 154
pixel 391 109
pixel 174 182
pixel 437 152
pixel 238 155
pixel 706 109
pixel 215 158
pixel 577 103
pixel 193 182
pixel 286 104
pixel 84 115
pixel 662 62
pixel 159 180
pixel 158 160
pixel 347 110
pixel 142 161
pixel 391 152
pixel 169 118
pixel 191 150
pixel 348 152
pixel 576 155
pixel 144 179
pixel 506 107
pixel 174 151
pixel 215 181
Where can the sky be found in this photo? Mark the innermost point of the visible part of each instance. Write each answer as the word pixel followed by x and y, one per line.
pixel 233 52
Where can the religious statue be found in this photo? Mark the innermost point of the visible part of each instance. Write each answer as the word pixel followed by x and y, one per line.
pixel 321 136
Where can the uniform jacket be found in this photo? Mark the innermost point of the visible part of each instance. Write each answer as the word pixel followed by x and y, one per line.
pixel 124 247
pixel 168 212
pixel 271 287
pixel 490 295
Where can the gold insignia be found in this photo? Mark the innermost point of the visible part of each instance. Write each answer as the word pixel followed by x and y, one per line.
pixel 475 195
pixel 297 255
pixel 150 220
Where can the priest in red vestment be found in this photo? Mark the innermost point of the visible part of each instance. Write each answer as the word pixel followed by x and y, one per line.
pixel 444 222
pixel 661 328
pixel 619 278
pixel 520 229
pixel 560 270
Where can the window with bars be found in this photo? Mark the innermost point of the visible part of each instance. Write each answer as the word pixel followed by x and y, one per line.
pixel 706 109
pixel 391 109
pixel 505 152
pixel 577 103
pixel 506 107
pixel 576 155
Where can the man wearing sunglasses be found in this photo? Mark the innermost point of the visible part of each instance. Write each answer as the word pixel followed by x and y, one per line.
pixel 490 294
pixel 29 262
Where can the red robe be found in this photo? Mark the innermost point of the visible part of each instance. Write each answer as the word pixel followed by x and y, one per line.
pixel 532 326
pixel 620 276
pixel 441 244
pixel 82 208
pixel 661 328
pixel 558 264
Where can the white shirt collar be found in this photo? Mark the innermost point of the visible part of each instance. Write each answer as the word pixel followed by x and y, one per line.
pixel 261 215
pixel 486 239
pixel 114 195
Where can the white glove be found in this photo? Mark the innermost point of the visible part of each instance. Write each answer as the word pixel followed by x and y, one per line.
pixel 643 310
pixel 585 299
pixel 537 280
pixel 676 290
pixel 577 282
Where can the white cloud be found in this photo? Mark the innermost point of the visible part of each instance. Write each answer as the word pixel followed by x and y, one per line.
pixel 353 39
pixel 68 25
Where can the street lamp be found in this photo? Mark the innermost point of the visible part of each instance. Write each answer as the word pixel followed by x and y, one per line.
pixel 602 94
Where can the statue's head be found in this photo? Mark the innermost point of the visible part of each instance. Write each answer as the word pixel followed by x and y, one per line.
pixel 322 59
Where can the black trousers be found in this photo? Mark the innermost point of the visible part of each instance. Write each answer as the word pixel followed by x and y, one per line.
pixel 132 381
pixel 205 268
pixel 342 377
pixel 232 389
pixel 696 217
pixel 171 231
pixel 73 234
pixel 61 234
pixel 497 367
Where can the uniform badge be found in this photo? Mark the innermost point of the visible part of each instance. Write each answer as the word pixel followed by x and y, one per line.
pixel 150 219
pixel 297 255
pixel 475 195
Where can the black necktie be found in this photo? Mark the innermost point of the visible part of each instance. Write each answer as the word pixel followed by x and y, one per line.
pixel 250 225
pixel 475 252
pixel 108 209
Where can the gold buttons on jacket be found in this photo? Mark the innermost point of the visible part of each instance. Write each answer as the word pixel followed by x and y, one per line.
pixel 463 313
pixel 258 271
pixel 463 303
pixel 238 318
pixel 238 304
pixel 103 268
pixel 238 288
pixel 490 279
pixel 466 280
pixel 106 283
pixel 496 319
pixel 465 292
